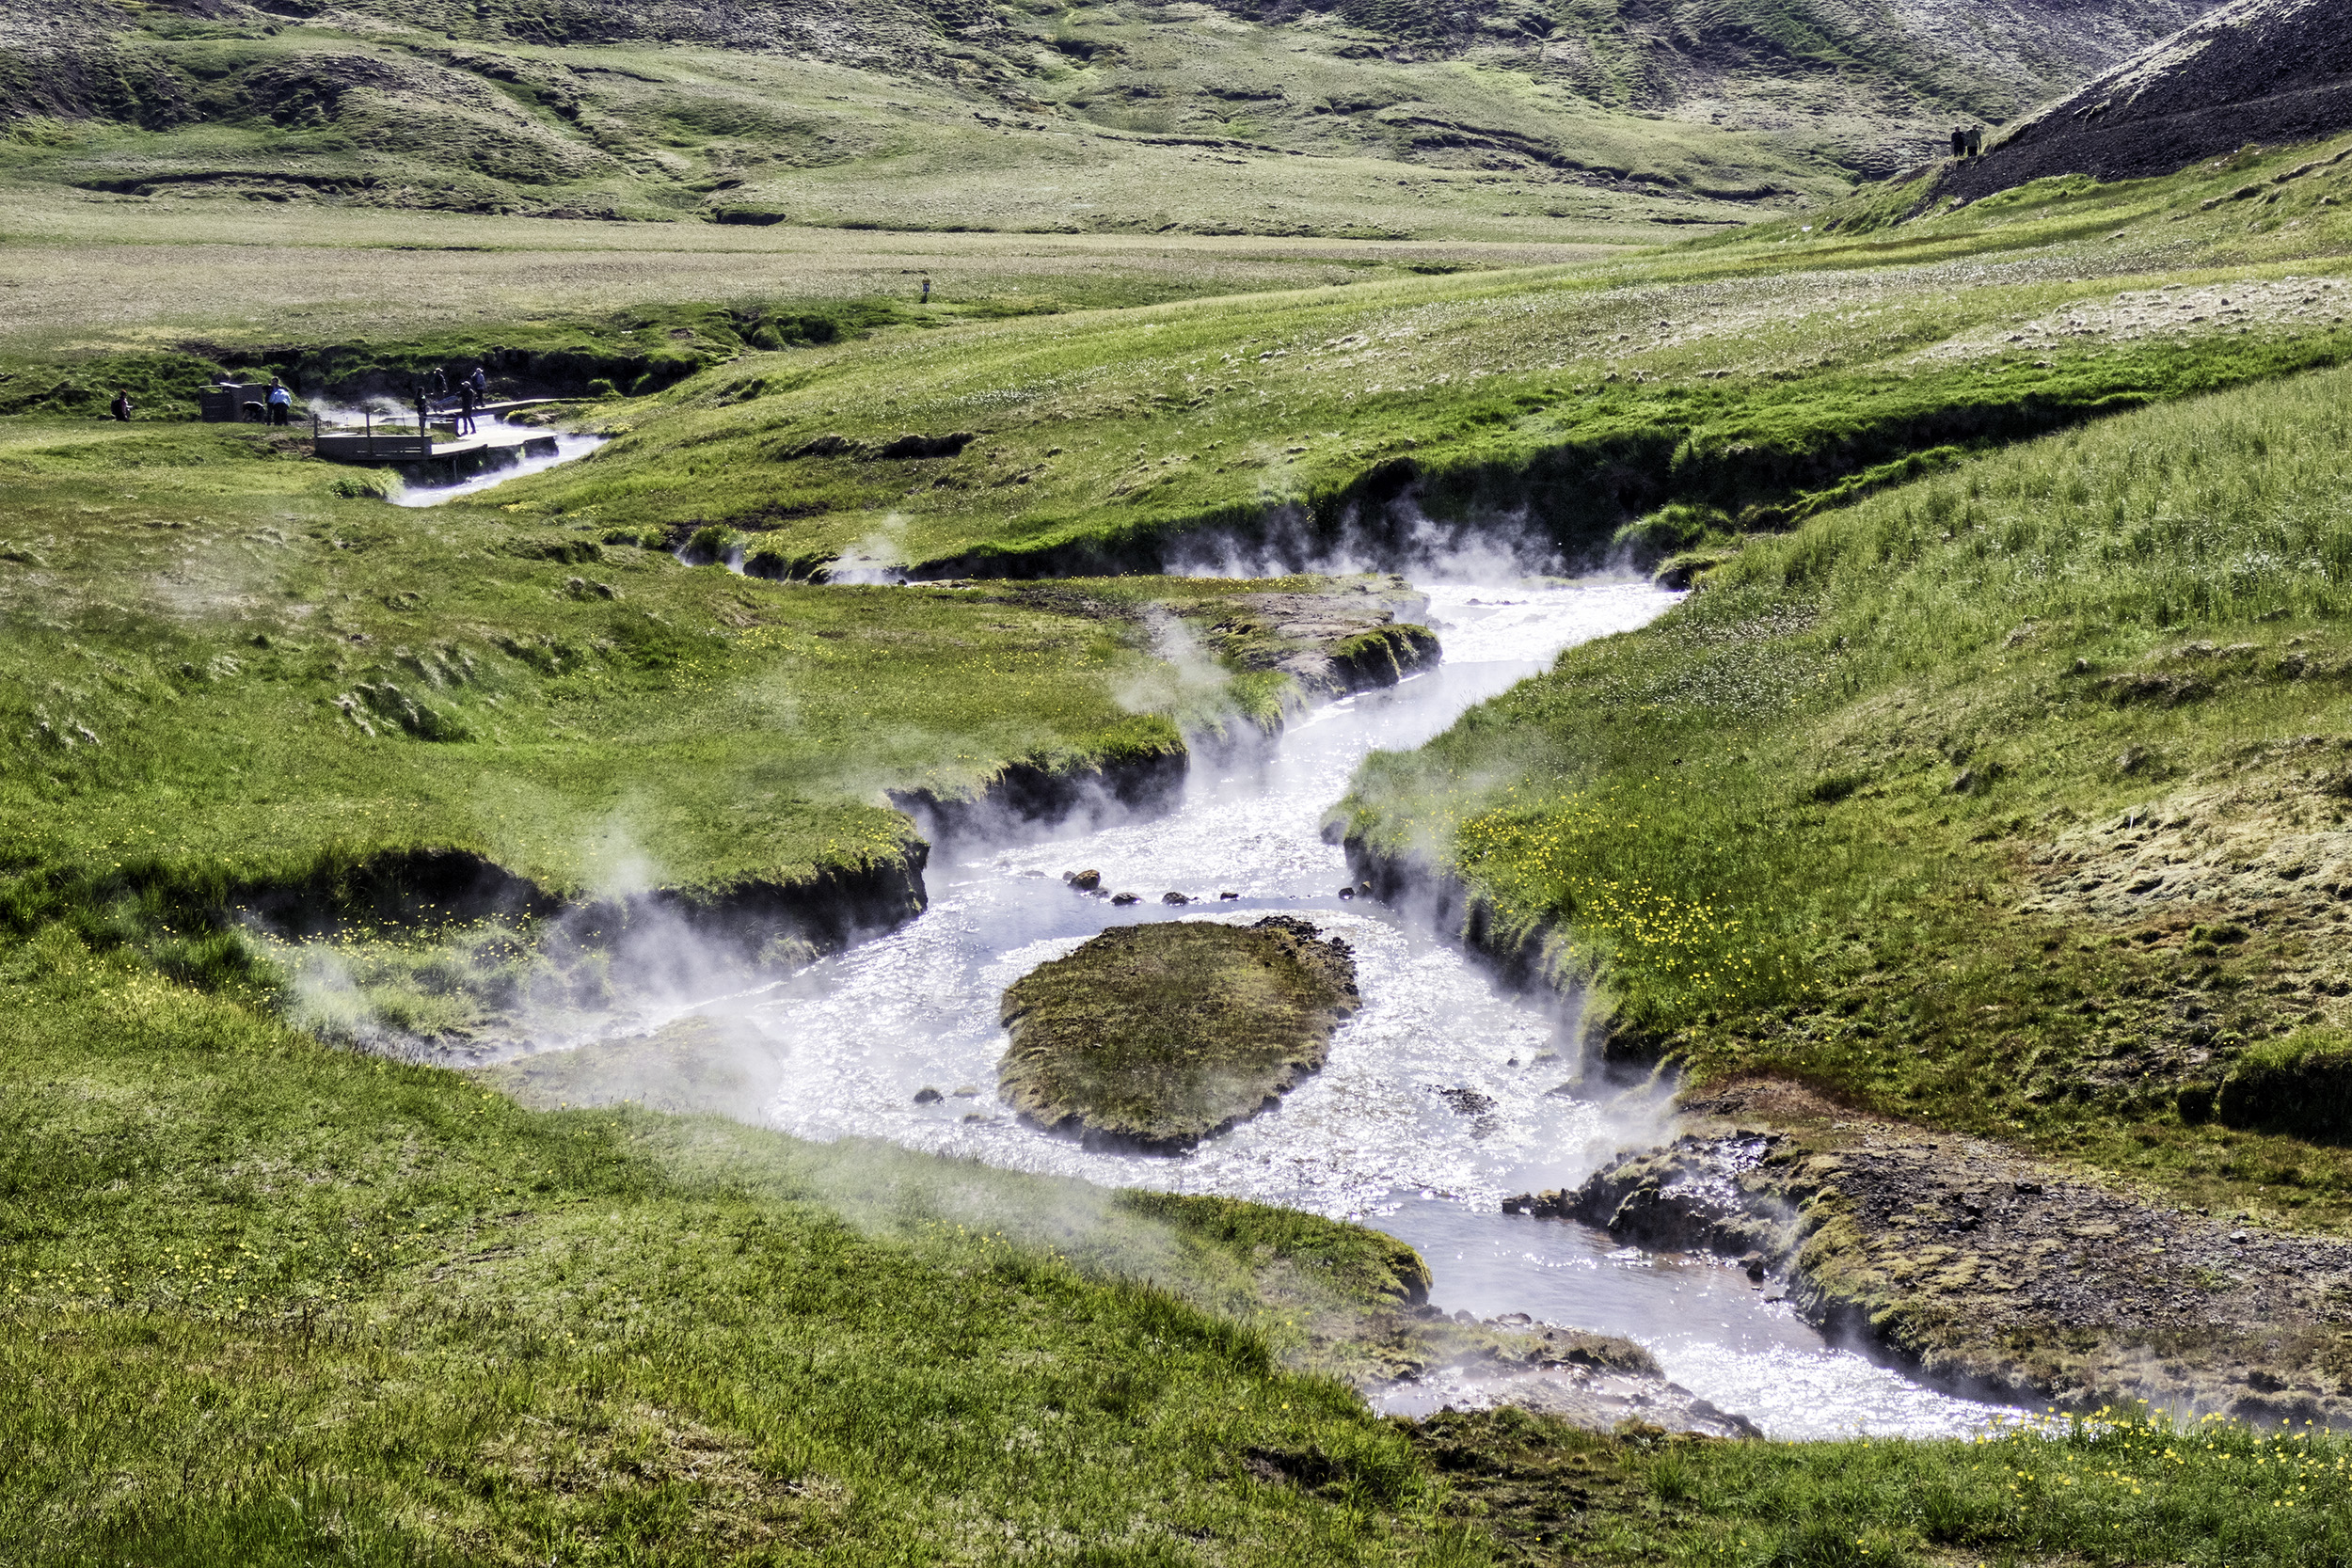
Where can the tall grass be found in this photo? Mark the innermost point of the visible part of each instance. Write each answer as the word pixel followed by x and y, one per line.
pixel 266 1302
pixel 2115 1486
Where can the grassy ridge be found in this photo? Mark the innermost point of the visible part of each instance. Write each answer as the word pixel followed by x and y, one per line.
pixel 1758 378
pixel 1988 801
pixel 216 657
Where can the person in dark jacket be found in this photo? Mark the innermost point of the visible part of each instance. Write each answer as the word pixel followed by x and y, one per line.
pixel 425 410
pixel 120 408
pixel 465 408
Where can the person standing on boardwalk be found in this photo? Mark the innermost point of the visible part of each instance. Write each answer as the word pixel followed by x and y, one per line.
pixel 425 410
pixel 465 408
pixel 480 381
pixel 280 401
pixel 121 405
pixel 441 382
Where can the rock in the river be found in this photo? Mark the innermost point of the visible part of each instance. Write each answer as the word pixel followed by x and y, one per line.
pixel 1156 1037
pixel 1084 882
pixel 927 1096
pixel 1174 898
pixel 1126 897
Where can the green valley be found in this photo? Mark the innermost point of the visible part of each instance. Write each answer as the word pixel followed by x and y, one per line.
pixel 424 927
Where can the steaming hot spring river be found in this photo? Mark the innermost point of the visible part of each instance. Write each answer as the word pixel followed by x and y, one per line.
pixel 1437 1099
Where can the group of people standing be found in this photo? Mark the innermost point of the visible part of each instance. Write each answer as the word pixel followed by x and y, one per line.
pixel 433 393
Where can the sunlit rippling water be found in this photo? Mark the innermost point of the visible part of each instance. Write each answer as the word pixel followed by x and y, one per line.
pixel 1438 1098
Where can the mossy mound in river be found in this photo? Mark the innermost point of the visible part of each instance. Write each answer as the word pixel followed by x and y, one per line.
pixel 1156 1037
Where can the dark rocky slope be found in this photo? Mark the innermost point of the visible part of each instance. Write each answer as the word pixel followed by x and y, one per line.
pixel 2267 72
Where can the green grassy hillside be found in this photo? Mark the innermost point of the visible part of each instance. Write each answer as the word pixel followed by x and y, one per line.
pixel 1755 379
pixel 1502 118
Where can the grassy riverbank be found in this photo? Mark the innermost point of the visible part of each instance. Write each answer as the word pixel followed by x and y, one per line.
pixel 2010 801
pixel 2122 1486
pixel 264 1301
pixel 230 688
pixel 217 659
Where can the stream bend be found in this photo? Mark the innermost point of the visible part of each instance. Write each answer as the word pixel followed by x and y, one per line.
pixel 1441 1096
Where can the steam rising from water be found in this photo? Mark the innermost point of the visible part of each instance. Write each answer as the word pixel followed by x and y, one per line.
pixel 1442 1082
pixel 1401 537
pixel 1439 1097
pixel 568 448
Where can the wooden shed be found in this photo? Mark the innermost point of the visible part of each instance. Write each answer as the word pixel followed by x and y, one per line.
pixel 224 402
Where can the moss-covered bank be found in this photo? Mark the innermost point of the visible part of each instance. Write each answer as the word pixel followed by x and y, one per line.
pixel 1156 1037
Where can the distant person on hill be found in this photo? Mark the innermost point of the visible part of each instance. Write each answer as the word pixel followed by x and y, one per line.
pixel 1976 141
pixel 120 408
pixel 465 408
pixel 1960 142
pixel 927 291
pixel 280 401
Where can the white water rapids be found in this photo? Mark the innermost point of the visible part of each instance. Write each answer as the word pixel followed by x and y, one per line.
pixel 568 446
pixel 1440 1096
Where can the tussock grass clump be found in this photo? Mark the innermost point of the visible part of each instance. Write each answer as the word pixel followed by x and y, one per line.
pixel 2300 1084
pixel 1156 1037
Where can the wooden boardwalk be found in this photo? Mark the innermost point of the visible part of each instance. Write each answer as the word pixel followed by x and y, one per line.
pixel 458 455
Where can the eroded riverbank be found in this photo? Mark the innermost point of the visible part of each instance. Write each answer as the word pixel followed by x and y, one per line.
pixel 1446 1093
